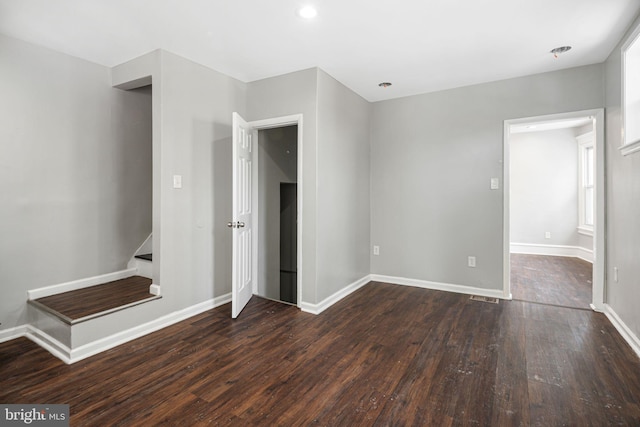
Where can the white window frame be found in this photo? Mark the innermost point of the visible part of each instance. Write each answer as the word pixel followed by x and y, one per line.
pixel 585 142
pixel 631 93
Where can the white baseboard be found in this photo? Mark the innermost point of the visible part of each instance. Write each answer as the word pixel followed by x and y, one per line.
pixel 79 284
pixel 13 333
pixel 448 287
pixel 50 344
pixel 329 301
pixel 115 340
pixel 39 337
pixel 70 356
pixel 628 335
pixel 552 250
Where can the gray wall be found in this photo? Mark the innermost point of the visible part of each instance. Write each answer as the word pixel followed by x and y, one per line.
pixel 277 158
pixel 344 208
pixel 192 108
pixel 623 206
pixel 192 111
pixel 544 187
pixel 432 158
pixel 196 143
pixel 75 193
pixel 336 174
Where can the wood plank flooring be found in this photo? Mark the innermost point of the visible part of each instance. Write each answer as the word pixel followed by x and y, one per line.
pixel 385 355
pixel 563 281
pixel 86 303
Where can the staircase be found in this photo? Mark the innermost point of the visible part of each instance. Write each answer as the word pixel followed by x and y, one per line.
pixel 144 264
pixel 77 319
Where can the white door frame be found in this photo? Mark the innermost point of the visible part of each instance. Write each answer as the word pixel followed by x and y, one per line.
pixel 258 125
pixel 599 229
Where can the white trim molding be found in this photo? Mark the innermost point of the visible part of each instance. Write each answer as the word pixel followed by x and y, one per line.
pixel 13 333
pixel 332 299
pixel 119 338
pixel 52 345
pixel 630 148
pixel 628 335
pixel 437 286
pixel 69 356
pixel 553 250
pixel 79 284
pixel 274 122
pixel 630 92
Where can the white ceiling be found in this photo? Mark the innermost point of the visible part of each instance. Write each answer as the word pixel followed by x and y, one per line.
pixel 418 45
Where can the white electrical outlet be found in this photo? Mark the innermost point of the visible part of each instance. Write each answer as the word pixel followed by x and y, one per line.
pixel 376 250
pixel 547 234
pixel 472 261
pixel 495 183
pixel 177 181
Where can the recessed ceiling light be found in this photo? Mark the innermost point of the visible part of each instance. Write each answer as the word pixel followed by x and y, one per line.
pixel 308 12
pixel 384 84
pixel 558 50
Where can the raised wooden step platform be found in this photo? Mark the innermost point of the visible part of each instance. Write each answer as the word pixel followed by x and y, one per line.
pixel 84 304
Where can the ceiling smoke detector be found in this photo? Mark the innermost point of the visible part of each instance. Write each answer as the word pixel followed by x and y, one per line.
pixel 558 50
pixel 384 84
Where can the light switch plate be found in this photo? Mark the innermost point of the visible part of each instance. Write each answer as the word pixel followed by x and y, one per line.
pixel 177 181
pixel 495 183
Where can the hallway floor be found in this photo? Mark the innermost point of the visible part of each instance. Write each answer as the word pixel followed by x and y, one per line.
pixel 563 281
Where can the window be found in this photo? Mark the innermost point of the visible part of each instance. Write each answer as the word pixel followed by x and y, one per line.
pixel 586 180
pixel 631 93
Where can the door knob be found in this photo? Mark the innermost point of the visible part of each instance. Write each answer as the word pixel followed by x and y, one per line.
pixel 240 224
pixel 232 224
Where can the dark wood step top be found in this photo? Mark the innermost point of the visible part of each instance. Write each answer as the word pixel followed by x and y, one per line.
pixel 146 257
pixel 85 304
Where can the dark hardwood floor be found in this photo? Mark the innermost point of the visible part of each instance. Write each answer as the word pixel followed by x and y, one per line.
pixel 385 355
pixel 556 280
pixel 83 303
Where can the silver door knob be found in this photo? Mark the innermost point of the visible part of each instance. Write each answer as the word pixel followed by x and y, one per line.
pixel 240 224
pixel 232 224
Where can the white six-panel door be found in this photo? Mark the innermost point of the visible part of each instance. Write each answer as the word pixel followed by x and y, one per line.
pixel 241 224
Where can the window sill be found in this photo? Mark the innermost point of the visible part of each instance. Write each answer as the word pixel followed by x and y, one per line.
pixel 630 148
pixel 585 231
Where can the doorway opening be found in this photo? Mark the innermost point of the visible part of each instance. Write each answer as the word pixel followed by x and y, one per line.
pixel 250 246
pixel 135 123
pixel 278 214
pixel 554 209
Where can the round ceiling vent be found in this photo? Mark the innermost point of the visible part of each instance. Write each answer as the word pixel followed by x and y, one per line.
pixel 559 50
